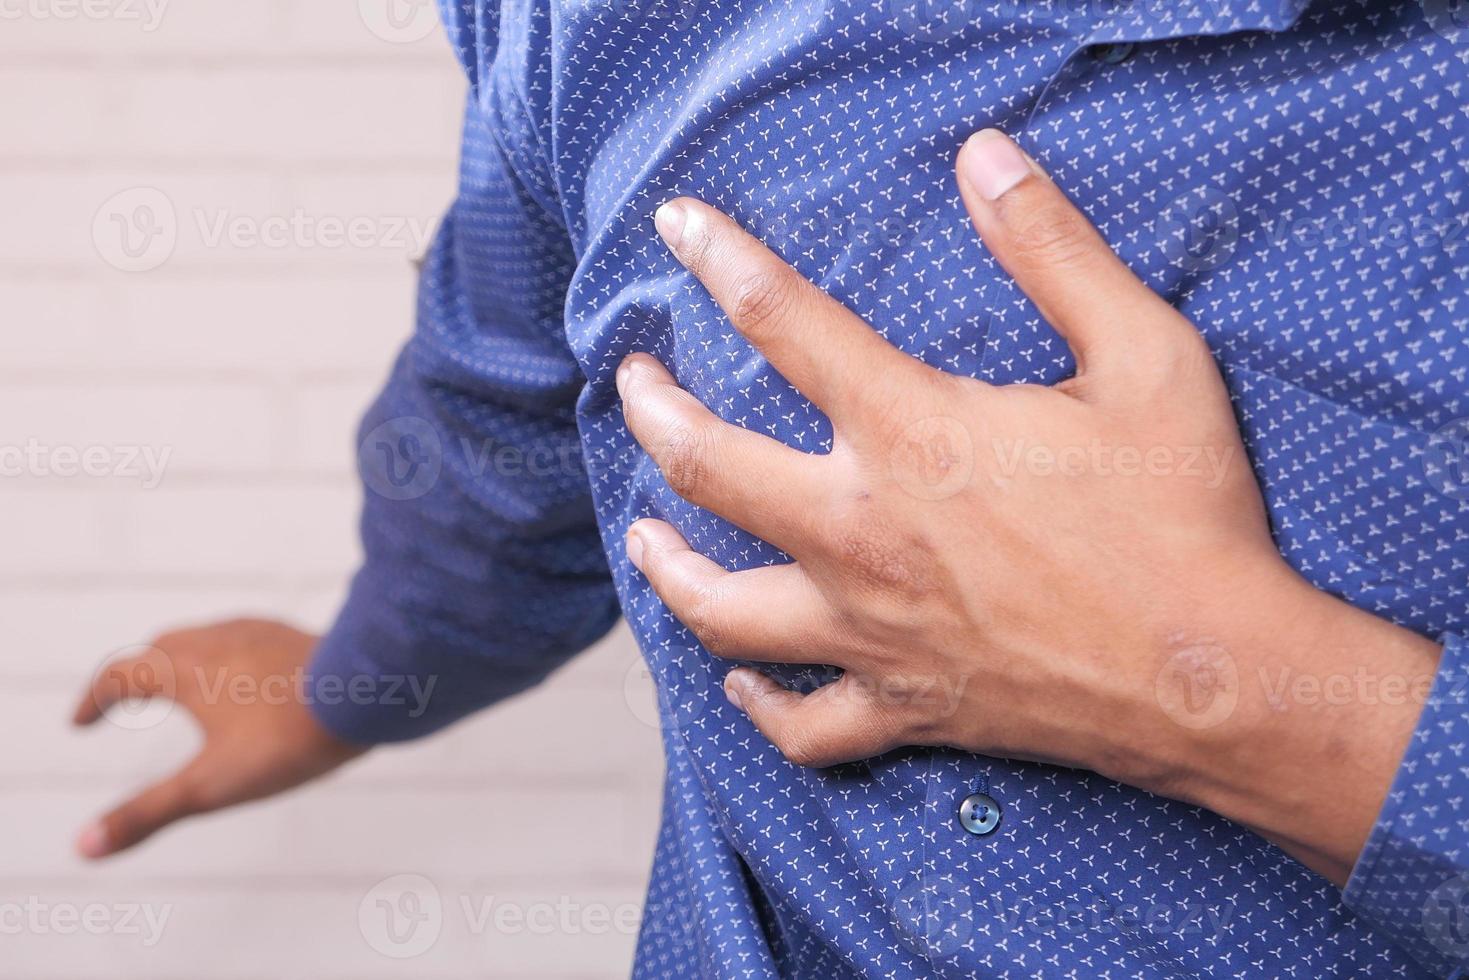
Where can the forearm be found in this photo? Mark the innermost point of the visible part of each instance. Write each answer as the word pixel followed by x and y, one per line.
pixel 484 567
pixel 479 581
pixel 1328 698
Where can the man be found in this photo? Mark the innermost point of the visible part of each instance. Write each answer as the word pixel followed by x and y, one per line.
pixel 1081 575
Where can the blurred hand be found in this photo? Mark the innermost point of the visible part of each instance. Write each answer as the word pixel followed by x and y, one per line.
pixel 255 744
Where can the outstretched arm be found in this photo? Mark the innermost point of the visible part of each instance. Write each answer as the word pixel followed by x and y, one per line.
pixel 484 569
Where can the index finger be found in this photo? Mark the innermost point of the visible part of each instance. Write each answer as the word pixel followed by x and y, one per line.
pixel 140 676
pixel 828 352
pixel 1107 315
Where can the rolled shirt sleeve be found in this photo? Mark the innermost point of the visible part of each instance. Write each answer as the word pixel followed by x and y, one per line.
pixel 484 568
pixel 1412 878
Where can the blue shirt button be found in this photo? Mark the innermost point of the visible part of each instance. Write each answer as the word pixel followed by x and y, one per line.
pixel 979 814
pixel 1111 54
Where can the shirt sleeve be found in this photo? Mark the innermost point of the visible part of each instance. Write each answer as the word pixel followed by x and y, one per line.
pixel 483 566
pixel 1412 878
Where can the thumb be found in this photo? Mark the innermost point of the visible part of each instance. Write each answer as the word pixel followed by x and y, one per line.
pixel 1058 259
pixel 831 725
pixel 137 819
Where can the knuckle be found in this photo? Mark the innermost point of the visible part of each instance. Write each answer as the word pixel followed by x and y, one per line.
pixel 891 402
pixel 683 456
pixel 867 548
pixel 872 561
pixel 763 299
pixel 635 412
pixel 1055 234
pixel 707 618
pixel 935 453
pixel 802 747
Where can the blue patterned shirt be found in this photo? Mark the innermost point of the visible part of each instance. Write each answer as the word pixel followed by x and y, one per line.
pixel 1290 175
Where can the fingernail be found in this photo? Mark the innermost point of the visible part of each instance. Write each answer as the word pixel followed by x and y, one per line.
pixel 624 371
pixel 670 220
pixel 635 549
pixel 732 690
pixel 993 164
pixel 92 841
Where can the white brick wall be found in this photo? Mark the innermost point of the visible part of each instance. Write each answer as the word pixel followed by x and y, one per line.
pixel 530 827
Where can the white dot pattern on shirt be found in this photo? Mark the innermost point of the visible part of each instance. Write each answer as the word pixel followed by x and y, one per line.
pixel 829 129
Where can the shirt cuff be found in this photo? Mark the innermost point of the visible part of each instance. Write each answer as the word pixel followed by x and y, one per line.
pixel 357 684
pixel 388 671
pixel 1412 878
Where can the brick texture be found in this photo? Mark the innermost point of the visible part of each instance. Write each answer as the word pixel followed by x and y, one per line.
pixel 186 350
